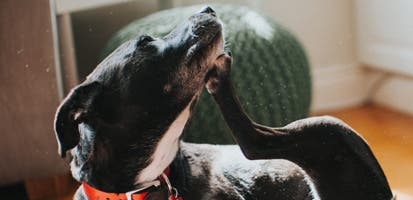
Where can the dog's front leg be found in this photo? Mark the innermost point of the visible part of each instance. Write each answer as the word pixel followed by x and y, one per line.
pixel 338 160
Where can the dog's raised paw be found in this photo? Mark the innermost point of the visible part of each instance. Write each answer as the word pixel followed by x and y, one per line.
pixel 219 73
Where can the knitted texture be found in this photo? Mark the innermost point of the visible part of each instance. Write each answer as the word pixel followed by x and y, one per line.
pixel 270 71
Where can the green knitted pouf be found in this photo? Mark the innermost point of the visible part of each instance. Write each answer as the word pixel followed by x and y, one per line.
pixel 270 70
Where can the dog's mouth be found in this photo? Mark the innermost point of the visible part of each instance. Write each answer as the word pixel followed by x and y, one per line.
pixel 209 52
pixel 208 39
pixel 197 43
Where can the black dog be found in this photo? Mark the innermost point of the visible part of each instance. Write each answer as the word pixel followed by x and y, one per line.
pixel 124 122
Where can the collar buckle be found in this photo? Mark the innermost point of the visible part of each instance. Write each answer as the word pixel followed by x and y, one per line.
pixel 142 187
pixel 173 192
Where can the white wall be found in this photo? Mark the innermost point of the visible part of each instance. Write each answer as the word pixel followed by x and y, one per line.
pixel 385 44
pixel 324 26
pixel 385 30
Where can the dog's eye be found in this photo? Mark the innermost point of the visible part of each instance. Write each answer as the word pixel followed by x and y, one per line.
pixel 144 40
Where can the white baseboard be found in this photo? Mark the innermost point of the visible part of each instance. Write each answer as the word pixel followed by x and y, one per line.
pixel 384 34
pixel 395 92
pixel 341 86
pixel 336 87
pixel 389 58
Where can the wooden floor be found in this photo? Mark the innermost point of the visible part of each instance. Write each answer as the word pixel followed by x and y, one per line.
pixel 389 133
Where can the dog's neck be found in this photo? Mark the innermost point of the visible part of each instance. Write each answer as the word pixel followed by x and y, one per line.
pixel 122 165
pixel 166 149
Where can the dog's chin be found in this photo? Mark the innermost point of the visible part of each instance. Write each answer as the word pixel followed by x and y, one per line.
pixel 199 60
pixel 209 46
pixel 211 52
pixel 217 48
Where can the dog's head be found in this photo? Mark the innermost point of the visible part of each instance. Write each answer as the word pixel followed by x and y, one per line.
pixel 113 119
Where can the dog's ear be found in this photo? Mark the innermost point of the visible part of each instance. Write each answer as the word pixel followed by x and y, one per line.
pixel 74 109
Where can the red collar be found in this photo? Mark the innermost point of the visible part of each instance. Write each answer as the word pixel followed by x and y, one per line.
pixel 95 194
pixel 139 194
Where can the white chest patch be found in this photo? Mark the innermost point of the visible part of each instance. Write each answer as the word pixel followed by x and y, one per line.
pixel 165 150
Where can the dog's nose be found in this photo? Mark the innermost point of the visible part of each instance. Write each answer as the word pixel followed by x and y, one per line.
pixel 208 10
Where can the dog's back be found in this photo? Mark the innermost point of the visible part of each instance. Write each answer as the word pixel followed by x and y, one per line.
pixel 222 172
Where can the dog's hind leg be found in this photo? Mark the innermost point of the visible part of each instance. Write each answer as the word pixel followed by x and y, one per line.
pixel 338 160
